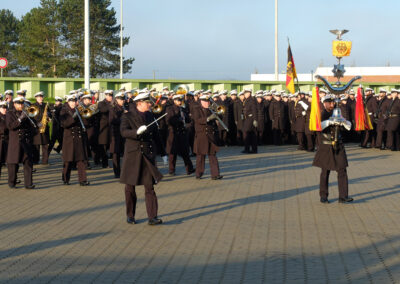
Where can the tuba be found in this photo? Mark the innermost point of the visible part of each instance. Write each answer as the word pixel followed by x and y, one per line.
pixel 181 89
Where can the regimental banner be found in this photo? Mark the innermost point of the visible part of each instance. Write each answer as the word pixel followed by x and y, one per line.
pixel 341 48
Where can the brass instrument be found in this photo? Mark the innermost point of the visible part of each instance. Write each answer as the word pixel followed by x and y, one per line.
pixel 88 111
pixel 44 121
pixel 181 89
pixel 218 110
pixel 31 110
pixel 157 108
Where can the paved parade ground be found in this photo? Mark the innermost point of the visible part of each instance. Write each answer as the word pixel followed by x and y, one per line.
pixel 262 223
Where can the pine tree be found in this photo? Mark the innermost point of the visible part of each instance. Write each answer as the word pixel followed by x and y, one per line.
pixel 9 38
pixel 104 38
pixel 39 47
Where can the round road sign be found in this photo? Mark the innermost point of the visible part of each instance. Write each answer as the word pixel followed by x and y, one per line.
pixel 3 63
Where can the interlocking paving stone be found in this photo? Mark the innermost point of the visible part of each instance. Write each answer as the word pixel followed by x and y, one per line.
pixel 262 223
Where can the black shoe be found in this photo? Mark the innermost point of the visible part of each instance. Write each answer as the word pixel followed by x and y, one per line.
pixel 33 170
pixel 155 221
pixel 130 220
pixel 18 181
pixel 84 183
pixel 199 176
pixel 66 182
pixel 30 186
pixel 58 150
pixel 253 152
pixel 217 177
pixel 172 174
pixel 324 200
pixel 191 172
pixel 346 200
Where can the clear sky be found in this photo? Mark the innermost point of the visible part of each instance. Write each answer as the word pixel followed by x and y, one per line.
pixel 230 39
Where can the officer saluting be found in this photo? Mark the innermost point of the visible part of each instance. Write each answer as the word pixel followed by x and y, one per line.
pixel 139 165
pixel 20 144
pixel 331 155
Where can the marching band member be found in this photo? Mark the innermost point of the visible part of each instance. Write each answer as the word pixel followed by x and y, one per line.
pixel 74 149
pixel 178 139
pixel 42 135
pixel 3 134
pixel 139 165
pixel 56 131
pixel 372 105
pixel 104 130
pixel 8 97
pixel 206 138
pixel 117 142
pixel 278 116
pixel 250 123
pixel 393 121
pixel 20 144
pixel 90 133
pixel 331 154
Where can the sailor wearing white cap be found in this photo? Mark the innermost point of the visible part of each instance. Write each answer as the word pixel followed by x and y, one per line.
pixel 206 138
pixel 177 142
pixel 331 154
pixel 74 148
pixel 56 130
pixel 233 92
pixel 41 139
pixel 250 122
pixel 104 128
pixel 142 142
pixel 19 144
pixel 381 117
pixel 3 133
pixel 393 121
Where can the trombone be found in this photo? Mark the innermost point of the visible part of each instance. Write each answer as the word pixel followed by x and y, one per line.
pixel 30 112
pixel 218 110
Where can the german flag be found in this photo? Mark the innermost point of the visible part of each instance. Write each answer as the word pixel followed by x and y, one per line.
pixel 290 72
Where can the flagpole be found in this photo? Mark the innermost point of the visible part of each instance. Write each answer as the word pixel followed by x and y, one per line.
pixel 276 40
pixel 87 45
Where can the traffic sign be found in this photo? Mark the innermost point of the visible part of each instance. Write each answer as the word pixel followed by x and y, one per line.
pixel 3 62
